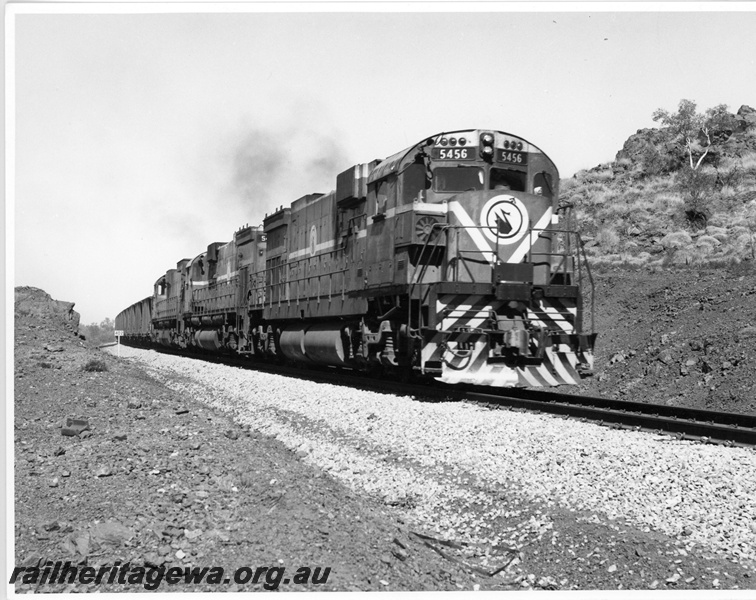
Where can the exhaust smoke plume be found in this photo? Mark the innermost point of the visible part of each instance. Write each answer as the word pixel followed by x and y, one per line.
pixel 269 168
pixel 257 161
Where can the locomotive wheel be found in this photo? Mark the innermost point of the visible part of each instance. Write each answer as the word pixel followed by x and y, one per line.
pixel 232 342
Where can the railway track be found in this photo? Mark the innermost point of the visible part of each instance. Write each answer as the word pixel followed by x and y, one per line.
pixel 686 423
pixel 706 426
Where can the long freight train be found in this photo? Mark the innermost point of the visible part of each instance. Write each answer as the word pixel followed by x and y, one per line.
pixel 449 259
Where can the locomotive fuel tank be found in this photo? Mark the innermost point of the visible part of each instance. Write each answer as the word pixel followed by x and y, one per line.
pixel 320 343
pixel 208 339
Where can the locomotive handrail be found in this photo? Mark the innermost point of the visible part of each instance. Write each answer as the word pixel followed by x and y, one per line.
pixel 579 252
pixel 203 303
pixel 590 278
pixel 443 228
pixel 286 268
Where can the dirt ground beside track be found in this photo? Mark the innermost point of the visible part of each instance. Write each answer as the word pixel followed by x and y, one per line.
pixel 164 480
pixel 684 337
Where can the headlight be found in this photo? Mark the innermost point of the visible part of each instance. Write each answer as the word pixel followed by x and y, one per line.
pixel 486 145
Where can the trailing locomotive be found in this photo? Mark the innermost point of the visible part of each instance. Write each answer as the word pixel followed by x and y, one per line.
pixel 446 259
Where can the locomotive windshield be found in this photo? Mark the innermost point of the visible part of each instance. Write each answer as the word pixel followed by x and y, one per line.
pixel 503 179
pixel 457 179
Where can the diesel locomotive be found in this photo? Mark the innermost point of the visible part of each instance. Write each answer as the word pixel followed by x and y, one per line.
pixel 451 259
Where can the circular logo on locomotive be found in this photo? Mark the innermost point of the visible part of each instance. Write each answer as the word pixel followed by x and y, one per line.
pixel 504 219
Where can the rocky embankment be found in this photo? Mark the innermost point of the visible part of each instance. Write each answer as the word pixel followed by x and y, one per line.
pixel 39 308
pixel 683 337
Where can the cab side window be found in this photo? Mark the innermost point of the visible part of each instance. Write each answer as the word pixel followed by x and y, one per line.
pixel 543 186
pixel 413 181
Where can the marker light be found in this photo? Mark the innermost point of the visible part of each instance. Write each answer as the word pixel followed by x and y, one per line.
pixel 452 141
pixel 519 145
pixel 443 142
pixel 506 143
pixel 462 141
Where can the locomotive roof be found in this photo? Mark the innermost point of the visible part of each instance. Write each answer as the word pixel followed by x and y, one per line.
pixel 397 162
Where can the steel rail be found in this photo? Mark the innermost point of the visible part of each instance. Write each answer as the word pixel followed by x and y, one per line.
pixel 663 410
pixel 732 429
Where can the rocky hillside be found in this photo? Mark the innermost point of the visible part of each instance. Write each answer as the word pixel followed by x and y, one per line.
pixel 649 207
pixel 38 305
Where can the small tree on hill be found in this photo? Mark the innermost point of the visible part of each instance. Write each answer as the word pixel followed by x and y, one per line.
pixel 697 132
pixel 697 186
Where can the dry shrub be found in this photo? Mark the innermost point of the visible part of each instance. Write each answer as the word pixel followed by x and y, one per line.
pixel 743 244
pixel 707 241
pixel 96 366
pixel 247 480
pixel 565 185
pixel 667 201
pixel 605 175
pixel 634 261
pixel 684 256
pixel 740 227
pixel 714 230
pixel 617 210
pixel 605 260
pixel 706 246
pixel 748 163
pixel 677 239
pixel 600 198
pixel 728 192
pixel 608 238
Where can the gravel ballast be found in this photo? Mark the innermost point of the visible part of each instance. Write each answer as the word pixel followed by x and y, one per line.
pixel 478 475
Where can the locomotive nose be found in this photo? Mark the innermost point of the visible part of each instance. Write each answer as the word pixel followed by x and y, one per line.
pixel 502 225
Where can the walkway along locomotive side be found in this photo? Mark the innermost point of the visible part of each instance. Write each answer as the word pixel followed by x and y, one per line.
pixel 448 259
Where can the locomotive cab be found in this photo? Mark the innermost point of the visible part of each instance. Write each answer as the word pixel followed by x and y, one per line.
pixel 495 284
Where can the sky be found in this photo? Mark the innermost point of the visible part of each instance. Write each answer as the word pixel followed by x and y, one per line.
pixel 135 139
